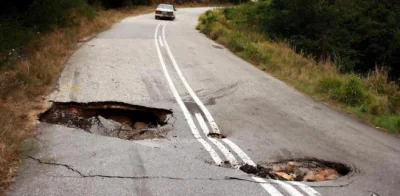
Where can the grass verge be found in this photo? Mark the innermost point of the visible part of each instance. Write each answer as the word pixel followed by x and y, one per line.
pixel 372 98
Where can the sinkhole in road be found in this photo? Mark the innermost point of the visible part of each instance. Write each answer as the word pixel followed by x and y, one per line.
pixel 311 170
pixel 113 119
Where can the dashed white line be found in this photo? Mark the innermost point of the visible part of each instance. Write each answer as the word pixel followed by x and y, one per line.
pixel 185 111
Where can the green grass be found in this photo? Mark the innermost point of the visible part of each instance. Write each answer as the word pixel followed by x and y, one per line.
pixel 372 98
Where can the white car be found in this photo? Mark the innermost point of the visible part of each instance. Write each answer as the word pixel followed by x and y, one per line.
pixel 165 11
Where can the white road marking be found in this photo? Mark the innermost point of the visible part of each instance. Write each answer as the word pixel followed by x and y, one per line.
pixel 310 191
pixel 246 159
pixel 196 99
pixel 229 156
pixel 214 155
pixel 268 187
pixel 185 111
pixel 160 40
pixel 203 124
pixel 291 190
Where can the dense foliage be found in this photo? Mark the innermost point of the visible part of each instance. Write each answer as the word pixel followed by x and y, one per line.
pixel 357 34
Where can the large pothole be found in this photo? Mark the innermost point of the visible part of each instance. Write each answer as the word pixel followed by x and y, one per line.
pixel 311 170
pixel 112 119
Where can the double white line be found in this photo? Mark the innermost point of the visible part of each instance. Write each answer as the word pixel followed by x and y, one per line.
pixel 266 184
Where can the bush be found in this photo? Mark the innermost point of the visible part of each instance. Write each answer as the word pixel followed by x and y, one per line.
pixel 351 93
pixel 237 42
pixel 329 85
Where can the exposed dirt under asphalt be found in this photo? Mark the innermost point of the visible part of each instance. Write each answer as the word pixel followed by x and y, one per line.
pixel 112 119
pixel 311 170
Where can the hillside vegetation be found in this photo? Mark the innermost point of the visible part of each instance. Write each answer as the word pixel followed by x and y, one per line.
pixel 285 38
pixel 357 35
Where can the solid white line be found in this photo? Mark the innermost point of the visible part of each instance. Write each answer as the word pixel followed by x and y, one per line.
pixel 291 190
pixel 185 111
pixel 203 124
pixel 211 151
pixel 268 187
pixel 310 191
pixel 215 128
pixel 229 156
pixel 246 159
pixel 196 99
pixel 160 40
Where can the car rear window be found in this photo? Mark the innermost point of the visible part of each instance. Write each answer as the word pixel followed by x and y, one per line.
pixel 165 6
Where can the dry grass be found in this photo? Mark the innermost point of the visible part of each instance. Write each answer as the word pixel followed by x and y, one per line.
pixel 23 85
pixel 371 98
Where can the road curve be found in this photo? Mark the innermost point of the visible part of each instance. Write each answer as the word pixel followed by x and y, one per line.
pixel 169 64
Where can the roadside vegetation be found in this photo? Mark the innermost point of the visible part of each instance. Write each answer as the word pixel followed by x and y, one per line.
pixel 270 35
pixel 36 38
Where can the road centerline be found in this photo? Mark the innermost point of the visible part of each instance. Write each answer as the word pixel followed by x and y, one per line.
pixel 287 187
pixel 185 111
pixel 161 42
pixel 229 156
pixel 209 118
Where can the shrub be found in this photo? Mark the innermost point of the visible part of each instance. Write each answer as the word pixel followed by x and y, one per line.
pixel 378 105
pixel 352 92
pixel 216 31
pixel 237 42
pixel 330 85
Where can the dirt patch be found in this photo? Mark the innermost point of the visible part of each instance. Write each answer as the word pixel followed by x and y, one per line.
pixel 216 135
pixel 311 170
pixel 112 119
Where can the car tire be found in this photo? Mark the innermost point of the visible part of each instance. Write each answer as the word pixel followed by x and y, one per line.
pixel 156 17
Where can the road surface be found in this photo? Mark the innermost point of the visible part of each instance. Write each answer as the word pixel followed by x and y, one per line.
pixel 169 64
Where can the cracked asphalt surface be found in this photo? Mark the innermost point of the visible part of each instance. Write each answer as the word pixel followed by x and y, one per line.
pixel 269 120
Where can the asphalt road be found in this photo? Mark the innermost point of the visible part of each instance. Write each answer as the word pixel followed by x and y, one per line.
pixel 169 64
